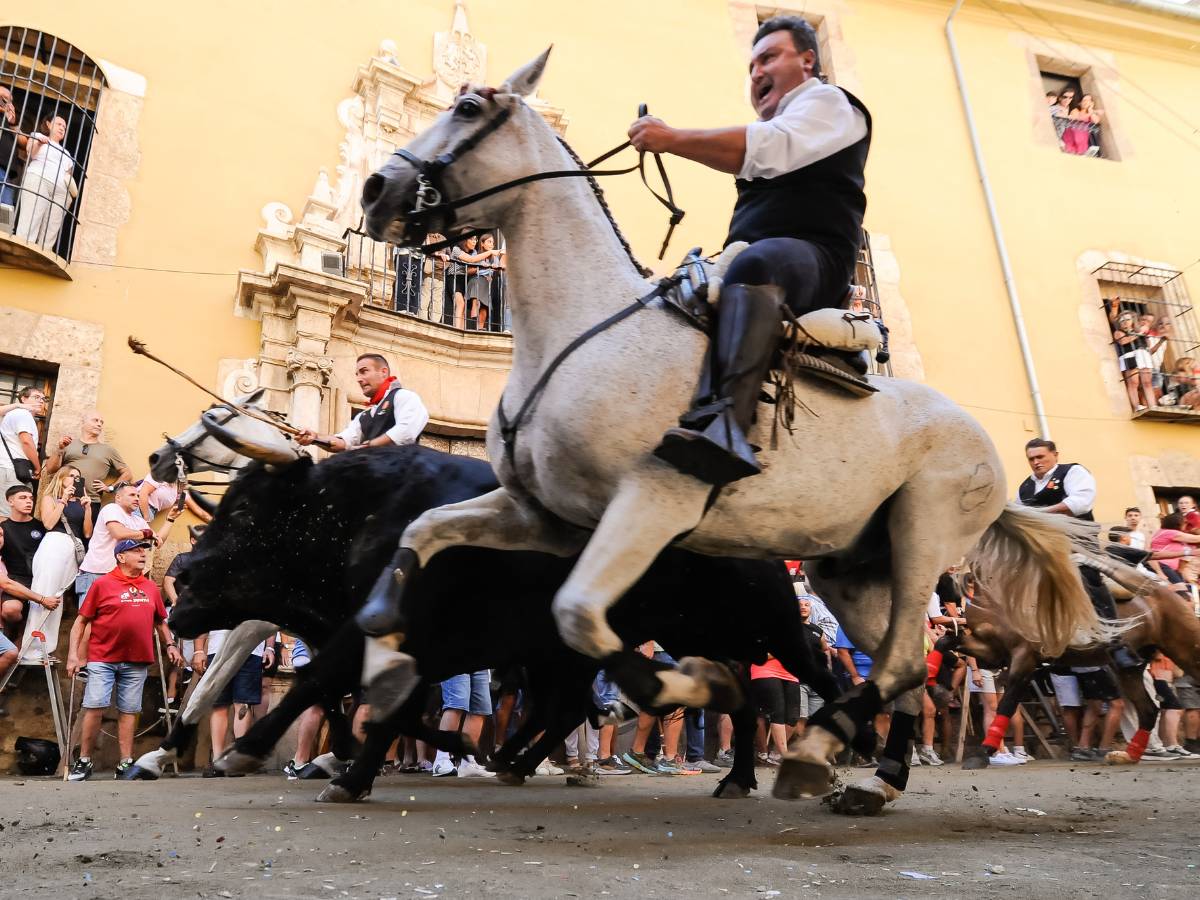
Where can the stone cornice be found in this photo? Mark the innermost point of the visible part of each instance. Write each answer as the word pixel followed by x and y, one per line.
pixel 288 282
pixel 431 340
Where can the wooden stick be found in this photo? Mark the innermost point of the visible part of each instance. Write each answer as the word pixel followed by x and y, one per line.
pixel 140 349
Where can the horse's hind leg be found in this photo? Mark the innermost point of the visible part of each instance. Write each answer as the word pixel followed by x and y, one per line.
pixel 869 796
pixel 642 518
pixel 1134 690
pixel 496 520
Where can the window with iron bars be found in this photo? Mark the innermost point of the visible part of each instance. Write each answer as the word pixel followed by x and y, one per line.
pixel 463 286
pixel 1156 339
pixel 49 94
pixel 16 374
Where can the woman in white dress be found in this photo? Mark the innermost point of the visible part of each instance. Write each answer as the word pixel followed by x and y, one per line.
pixel 46 186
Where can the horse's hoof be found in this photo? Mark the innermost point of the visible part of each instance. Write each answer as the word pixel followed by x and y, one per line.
pixel 583 780
pixel 976 761
pixel 731 790
pixel 1119 758
pixel 726 692
pixel 866 798
pixel 336 793
pixel 235 762
pixel 585 630
pixel 799 779
pixel 137 773
pixel 512 779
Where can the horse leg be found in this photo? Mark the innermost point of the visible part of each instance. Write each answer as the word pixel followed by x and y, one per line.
pixel 238 644
pixel 1133 689
pixel 641 519
pixel 741 780
pixel 869 796
pixel 1020 671
pixel 496 520
pixel 658 686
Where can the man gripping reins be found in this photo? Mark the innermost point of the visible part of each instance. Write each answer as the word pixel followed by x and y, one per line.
pixel 800 205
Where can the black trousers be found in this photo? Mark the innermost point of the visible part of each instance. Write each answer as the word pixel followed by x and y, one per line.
pixel 810 276
pixel 1098 593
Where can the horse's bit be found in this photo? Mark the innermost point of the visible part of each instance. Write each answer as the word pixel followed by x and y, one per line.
pixel 430 199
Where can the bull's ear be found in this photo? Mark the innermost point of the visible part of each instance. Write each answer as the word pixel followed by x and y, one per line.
pixel 525 80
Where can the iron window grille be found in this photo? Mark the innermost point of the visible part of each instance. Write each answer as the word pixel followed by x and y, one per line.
pixel 42 181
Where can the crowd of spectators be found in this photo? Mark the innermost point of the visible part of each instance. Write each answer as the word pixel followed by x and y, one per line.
pixel 1141 341
pixel 461 285
pixel 1076 121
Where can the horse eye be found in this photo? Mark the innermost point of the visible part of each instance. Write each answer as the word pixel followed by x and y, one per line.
pixel 468 108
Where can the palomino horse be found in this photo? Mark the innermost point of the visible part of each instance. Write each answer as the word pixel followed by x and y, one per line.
pixel 885 492
pixel 1154 615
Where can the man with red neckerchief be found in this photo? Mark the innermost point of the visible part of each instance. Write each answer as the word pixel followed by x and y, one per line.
pixel 124 609
pixel 396 416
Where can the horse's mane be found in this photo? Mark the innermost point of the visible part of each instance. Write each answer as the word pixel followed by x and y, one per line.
pixel 599 194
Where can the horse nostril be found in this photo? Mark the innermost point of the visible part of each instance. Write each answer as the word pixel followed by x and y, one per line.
pixel 153 459
pixel 373 189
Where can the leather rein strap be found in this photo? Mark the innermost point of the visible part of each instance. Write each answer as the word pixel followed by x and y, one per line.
pixel 510 427
pixel 430 198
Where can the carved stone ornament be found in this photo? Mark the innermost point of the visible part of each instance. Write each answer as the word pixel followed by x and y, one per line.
pixel 308 370
pixel 241 381
pixel 458 58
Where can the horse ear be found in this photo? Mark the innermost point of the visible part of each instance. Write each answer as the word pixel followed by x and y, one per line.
pixel 525 80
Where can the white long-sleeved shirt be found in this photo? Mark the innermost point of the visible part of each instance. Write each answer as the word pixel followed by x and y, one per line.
pixel 411 419
pixel 813 120
pixel 1080 487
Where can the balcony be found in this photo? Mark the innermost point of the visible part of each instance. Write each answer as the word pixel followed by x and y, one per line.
pixel 432 287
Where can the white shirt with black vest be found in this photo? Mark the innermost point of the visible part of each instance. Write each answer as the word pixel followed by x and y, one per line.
pixel 814 120
pixel 1079 486
pixel 405 408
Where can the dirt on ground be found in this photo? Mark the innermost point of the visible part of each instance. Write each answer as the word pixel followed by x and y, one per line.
pixel 1044 830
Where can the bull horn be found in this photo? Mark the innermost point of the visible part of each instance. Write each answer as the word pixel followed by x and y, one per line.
pixel 203 502
pixel 261 452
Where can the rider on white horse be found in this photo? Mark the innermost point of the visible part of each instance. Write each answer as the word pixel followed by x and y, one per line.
pixel 800 206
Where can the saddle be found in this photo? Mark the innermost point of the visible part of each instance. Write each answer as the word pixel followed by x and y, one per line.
pixel 833 345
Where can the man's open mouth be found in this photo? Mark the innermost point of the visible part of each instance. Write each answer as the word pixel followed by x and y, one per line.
pixel 760 94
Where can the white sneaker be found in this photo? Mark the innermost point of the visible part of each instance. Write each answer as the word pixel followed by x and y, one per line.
pixel 470 769
pixel 444 768
pixel 1022 754
pixel 915 761
pixel 1004 759
pixel 929 756
pixel 545 767
pixel 1180 753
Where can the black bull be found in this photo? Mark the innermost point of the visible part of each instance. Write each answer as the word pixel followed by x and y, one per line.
pixel 300 545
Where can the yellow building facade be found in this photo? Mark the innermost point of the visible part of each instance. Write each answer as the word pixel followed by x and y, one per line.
pixel 215 219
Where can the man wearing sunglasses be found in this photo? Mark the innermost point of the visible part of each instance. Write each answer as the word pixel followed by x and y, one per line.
pixel 99 463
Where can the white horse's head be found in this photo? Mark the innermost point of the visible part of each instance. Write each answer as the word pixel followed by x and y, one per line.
pixel 488 137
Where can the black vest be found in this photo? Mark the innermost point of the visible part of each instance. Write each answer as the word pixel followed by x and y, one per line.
pixel 822 202
pixel 379 418
pixel 1052 493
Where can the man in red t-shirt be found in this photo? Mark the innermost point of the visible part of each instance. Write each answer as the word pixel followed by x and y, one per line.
pixel 124 609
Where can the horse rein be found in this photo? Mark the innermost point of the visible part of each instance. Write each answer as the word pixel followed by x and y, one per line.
pixel 430 199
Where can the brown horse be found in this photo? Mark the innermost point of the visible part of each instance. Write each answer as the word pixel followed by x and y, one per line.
pixel 1155 616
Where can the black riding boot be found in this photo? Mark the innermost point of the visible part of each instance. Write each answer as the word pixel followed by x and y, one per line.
pixel 710 443
pixel 1106 608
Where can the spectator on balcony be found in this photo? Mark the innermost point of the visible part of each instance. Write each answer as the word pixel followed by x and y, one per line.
pixel 1156 332
pixel 479 286
pixel 1080 136
pixel 1182 386
pixel 1052 101
pixel 1134 351
pixel 464 278
pixel 47 186
pixel 14 147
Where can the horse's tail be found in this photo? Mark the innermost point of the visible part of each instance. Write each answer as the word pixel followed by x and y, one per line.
pixel 1024 563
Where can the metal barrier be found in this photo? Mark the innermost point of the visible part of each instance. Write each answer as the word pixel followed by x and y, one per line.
pixel 49 94
pixel 436 287
pixel 1078 137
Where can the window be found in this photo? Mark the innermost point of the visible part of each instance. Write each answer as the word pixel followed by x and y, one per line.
pixel 17 374
pixel 50 92
pixel 1074 109
pixel 1156 339
pixel 433 286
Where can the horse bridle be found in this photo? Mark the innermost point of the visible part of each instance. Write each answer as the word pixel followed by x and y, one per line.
pixel 431 200
pixel 185 452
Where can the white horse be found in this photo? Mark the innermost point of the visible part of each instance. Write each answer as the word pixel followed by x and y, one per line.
pixel 882 493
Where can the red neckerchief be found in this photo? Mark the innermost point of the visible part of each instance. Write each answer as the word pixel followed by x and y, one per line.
pixel 125 579
pixel 382 390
